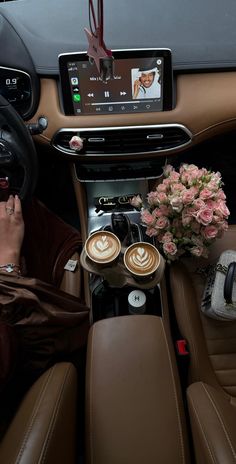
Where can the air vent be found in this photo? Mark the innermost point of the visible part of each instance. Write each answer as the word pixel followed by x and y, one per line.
pixel 125 140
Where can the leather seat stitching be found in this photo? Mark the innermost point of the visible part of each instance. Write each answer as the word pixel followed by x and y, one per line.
pixel 175 396
pixel 54 416
pixel 202 431
pixel 221 420
pixel 34 413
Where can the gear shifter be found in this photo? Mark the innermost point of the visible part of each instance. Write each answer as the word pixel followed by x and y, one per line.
pixel 121 227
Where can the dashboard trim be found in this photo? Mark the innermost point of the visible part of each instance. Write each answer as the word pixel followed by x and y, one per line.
pixel 205 103
pixel 80 131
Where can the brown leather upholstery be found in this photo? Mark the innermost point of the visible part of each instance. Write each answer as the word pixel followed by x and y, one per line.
pixel 133 407
pixel 213 420
pixel 212 344
pixel 43 429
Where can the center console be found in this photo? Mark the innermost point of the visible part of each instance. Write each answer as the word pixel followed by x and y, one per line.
pixel 116 162
pixel 132 387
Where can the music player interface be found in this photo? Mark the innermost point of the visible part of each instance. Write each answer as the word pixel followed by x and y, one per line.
pixel 137 87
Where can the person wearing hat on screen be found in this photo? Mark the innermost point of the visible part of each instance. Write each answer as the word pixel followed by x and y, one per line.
pixel 147 83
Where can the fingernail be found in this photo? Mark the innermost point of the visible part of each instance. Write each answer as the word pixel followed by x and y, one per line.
pixel 16 196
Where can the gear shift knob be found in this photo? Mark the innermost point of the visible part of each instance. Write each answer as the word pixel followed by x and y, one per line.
pixel 121 227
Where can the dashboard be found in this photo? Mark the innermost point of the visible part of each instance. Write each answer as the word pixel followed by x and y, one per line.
pixel 44 71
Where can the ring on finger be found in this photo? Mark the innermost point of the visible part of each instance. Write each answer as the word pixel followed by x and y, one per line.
pixel 9 210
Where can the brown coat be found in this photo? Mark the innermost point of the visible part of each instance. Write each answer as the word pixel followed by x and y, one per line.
pixel 50 325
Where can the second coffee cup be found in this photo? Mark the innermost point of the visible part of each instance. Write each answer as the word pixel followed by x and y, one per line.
pixel 142 259
pixel 102 248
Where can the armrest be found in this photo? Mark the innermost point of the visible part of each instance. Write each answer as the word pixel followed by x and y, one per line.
pixel 133 407
pixel 213 420
pixel 44 426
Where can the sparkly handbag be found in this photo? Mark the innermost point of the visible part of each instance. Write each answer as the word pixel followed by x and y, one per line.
pixel 219 297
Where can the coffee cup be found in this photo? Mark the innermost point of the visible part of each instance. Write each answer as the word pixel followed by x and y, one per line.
pixel 102 248
pixel 142 259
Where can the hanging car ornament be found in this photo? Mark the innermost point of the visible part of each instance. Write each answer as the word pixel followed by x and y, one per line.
pixel 97 50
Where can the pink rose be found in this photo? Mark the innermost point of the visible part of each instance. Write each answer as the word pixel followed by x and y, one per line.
pixel 188 196
pixel 161 188
pixel 162 198
pixel 213 185
pixel 216 176
pixel 152 199
pixel 204 216
pixel 147 218
pixel 162 222
pixel 210 204
pixel 221 195
pixel 188 215
pixel 210 232
pixel 186 220
pixel 196 251
pixel 163 210
pixel 221 209
pixel 170 248
pixel 176 203
pixel 136 201
pixel 167 237
pixel 151 231
pixel 174 176
pixel 175 188
pixel 206 193
pixel 187 168
pixel 76 143
pixel 199 204
pixel 167 170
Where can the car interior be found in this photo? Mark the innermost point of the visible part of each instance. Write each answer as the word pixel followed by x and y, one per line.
pixel 83 130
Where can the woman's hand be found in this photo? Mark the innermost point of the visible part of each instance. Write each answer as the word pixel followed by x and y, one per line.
pixel 11 230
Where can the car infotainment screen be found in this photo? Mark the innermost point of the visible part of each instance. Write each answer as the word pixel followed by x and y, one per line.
pixel 142 83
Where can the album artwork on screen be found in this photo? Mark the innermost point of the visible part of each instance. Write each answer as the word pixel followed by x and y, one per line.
pixel 142 83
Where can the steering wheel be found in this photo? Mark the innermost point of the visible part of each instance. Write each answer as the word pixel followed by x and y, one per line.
pixel 18 157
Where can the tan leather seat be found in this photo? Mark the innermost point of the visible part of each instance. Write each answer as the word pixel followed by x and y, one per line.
pixel 134 410
pixel 212 345
pixel 43 429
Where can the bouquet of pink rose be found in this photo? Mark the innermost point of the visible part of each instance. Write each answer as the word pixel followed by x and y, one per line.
pixel 186 212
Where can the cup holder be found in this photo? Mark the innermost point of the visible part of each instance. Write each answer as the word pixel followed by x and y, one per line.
pixel 112 302
pixel 112 283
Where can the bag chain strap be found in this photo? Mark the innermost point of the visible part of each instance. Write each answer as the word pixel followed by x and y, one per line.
pixel 221 268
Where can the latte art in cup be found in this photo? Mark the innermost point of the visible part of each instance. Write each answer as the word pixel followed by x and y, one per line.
pixel 102 247
pixel 141 259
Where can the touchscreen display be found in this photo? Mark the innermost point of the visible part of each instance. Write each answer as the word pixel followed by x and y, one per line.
pixel 142 83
